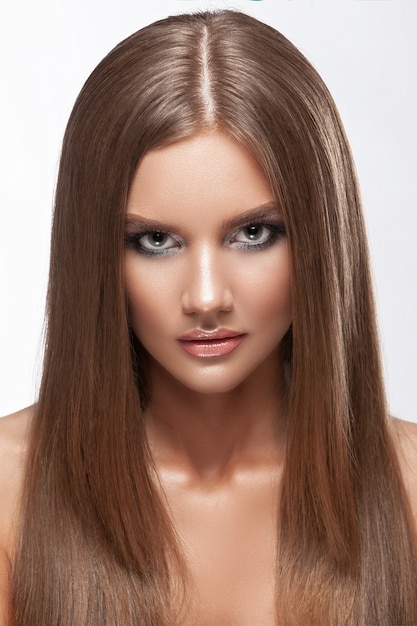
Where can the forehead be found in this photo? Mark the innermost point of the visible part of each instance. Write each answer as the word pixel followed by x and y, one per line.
pixel 209 177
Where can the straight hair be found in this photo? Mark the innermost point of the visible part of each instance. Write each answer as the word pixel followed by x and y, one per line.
pixel 96 543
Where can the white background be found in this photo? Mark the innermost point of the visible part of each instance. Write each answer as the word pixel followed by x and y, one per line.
pixel 366 51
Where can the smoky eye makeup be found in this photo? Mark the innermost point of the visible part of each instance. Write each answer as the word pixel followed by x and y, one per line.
pixel 256 236
pixel 255 230
pixel 152 242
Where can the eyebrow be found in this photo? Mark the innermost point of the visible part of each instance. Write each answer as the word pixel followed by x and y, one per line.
pixel 262 213
pixel 133 221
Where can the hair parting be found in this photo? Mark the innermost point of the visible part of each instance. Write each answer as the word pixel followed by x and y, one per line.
pixel 206 79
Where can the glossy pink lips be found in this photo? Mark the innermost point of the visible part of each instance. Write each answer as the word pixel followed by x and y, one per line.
pixel 211 344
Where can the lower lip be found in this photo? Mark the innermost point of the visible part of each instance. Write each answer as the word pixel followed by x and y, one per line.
pixel 211 348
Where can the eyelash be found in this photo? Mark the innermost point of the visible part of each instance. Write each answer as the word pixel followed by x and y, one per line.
pixel 132 240
pixel 276 232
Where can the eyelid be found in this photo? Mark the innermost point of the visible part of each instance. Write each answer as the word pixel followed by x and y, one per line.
pixel 132 240
pixel 143 235
pixel 135 230
pixel 277 227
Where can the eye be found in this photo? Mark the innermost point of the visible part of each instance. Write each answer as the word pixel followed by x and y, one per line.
pixel 157 240
pixel 256 236
pixel 256 233
pixel 152 243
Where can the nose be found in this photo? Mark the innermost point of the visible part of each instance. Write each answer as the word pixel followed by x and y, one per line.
pixel 207 291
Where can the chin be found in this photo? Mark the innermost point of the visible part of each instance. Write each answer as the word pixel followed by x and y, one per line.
pixel 211 383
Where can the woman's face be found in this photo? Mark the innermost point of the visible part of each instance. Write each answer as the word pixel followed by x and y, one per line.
pixel 207 264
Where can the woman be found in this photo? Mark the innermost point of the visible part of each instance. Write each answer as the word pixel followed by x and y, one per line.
pixel 211 442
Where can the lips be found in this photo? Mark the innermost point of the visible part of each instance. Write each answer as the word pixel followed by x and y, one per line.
pixel 210 344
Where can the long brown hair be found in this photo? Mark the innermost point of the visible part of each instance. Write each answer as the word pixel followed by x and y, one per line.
pixel 96 544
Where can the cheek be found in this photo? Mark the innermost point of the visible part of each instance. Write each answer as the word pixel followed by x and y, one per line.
pixel 267 290
pixel 261 288
pixel 149 296
pixel 274 305
pixel 139 296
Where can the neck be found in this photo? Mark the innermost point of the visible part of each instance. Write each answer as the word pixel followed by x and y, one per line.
pixel 211 436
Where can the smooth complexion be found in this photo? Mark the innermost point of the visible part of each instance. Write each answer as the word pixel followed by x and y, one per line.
pixel 208 280
pixel 207 264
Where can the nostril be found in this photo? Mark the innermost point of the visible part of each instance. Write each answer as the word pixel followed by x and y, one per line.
pixel 205 302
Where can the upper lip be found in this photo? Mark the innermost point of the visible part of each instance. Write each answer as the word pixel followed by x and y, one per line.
pixel 220 333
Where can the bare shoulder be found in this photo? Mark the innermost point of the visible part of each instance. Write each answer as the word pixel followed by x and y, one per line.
pixel 13 429
pixel 13 446
pixel 4 588
pixel 405 440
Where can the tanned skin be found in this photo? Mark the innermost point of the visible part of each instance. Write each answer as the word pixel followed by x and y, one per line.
pixel 215 424
pixel 13 444
pixel 207 506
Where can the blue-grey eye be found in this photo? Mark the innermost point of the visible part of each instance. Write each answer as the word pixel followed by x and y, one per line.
pixel 256 233
pixel 157 240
